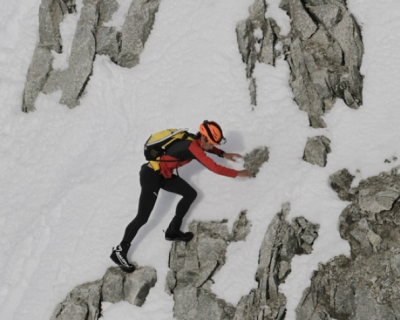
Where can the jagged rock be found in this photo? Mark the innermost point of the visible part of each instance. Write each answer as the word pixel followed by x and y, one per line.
pixel 50 15
pixel 38 73
pixel 341 182
pixel 241 227
pixel 138 284
pixel 281 242
pixel 302 24
pixel 113 285
pixel 108 42
pixel 84 301
pixel 136 30
pixel 324 55
pixel 254 159
pixel 91 38
pixel 256 37
pixel 365 285
pixel 316 150
pixel 194 264
pixel 73 80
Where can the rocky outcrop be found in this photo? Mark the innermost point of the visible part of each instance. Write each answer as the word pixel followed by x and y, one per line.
pixel 365 285
pixel 324 54
pixel 341 182
pixel 281 242
pixel 92 37
pixel 254 159
pixel 316 150
pixel 324 50
pixel 84 301
pixel 194 264
pixel 256 37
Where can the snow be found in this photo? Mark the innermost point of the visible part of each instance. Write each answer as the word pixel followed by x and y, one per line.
pixel 69 178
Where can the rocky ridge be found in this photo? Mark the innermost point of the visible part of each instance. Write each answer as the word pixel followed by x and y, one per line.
pixel 84 301
pixel 365 285
pixel 194 264
pixel 92 37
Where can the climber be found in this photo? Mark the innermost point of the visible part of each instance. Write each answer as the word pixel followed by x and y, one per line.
pixel 156 175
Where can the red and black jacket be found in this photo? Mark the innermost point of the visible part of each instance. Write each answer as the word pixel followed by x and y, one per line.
pixel 184 151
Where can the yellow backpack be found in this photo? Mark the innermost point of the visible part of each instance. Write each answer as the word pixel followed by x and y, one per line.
pixel 158 143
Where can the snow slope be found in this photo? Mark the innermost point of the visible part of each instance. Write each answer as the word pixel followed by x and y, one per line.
pixel 69 178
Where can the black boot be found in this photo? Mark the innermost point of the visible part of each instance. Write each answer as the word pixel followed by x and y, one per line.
pixel 118 255
pixel 174 234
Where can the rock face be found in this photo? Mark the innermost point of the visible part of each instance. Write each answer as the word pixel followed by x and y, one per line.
pixel 84 302
pixel 256 37
pixel 324 54
pixel 194 264
pixel 324 50
pixel 365 285
pixel 281 242
pixel 91 38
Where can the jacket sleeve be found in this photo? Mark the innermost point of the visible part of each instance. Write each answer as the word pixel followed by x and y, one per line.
pixel 218 152
pixel 209 163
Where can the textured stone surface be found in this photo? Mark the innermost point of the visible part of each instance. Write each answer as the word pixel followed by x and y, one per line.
pixel 341 182
pixel 316 150
pixel 84 301
pixel 254 159
pixel 136 30
pixel 256 37
pixel 365 285
pixel 194 264
pixel 91 37
pixel 324 55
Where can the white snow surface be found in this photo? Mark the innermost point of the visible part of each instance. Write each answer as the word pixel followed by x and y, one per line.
pixel 69 178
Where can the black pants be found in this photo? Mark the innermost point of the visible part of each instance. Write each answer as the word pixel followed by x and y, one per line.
pixel 151 182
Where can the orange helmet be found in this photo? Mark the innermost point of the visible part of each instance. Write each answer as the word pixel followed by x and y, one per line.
pixel 213 132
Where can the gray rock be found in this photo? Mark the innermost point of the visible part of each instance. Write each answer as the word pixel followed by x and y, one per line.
pixel 113 285
pixel 84 301
pixel 50 16
pixel 324 54
pixel 108 42
pixel 256 37
pixel 316 150
pixel 302 24
pixel 138 284
pixel 281 242
pixel 341 181
pixel 194 264
pixel 365 285
pixel 83 50
pixel 241 227
pixel 254 159
pixel 91 37
pixel 136 30
pixel 38 73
